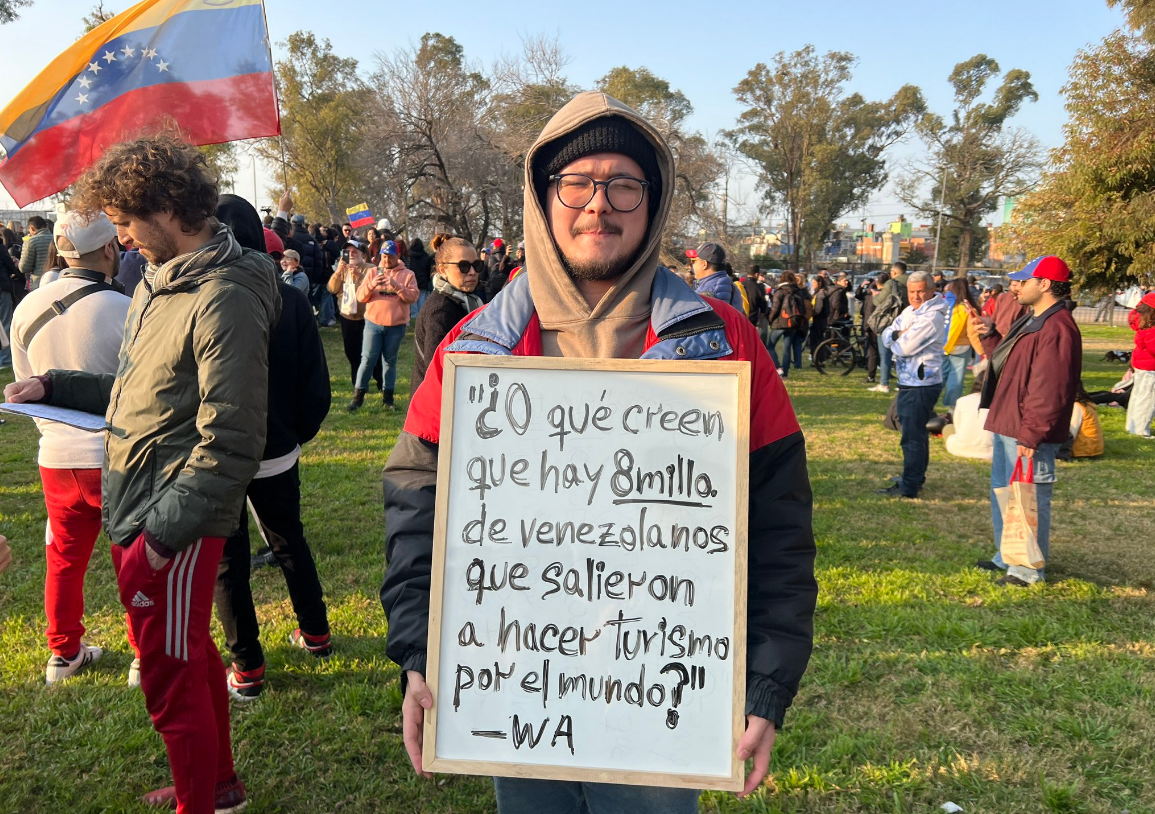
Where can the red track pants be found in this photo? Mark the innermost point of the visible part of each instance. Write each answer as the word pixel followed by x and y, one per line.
pixel 181 671
pixel 72 497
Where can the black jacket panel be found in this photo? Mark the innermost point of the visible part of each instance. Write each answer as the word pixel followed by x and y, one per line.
pixel 299 393
pixel 437 318
pixel 782 589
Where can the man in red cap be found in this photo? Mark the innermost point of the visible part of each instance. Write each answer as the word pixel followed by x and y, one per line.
pixel 1030 392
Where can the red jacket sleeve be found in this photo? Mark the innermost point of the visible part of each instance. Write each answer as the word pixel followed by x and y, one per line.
pixel 1051 386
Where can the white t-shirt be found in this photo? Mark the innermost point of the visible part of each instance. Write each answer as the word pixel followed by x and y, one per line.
pixel 85 337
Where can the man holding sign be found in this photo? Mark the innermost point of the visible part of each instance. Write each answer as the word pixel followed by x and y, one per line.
pixel 599 183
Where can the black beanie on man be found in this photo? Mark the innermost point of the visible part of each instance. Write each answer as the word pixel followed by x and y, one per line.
pixel 607 134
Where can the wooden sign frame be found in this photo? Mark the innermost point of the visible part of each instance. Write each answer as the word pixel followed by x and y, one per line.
pixel 429 759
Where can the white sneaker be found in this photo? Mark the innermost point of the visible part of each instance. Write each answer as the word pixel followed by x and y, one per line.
pixel 879 388
pixel 134 673
pixel 60 668
pixel 781 372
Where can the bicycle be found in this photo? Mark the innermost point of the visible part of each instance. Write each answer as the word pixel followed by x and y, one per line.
pixel 844 347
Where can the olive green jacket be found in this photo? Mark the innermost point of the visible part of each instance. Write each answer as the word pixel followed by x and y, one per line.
pixel 185 413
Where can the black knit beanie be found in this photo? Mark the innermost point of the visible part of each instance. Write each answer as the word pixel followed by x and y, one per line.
pixel 608 134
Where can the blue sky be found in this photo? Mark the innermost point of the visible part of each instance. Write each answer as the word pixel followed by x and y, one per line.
pixel 701 48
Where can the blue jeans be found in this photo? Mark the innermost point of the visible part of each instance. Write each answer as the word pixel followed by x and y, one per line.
pixel 794 339
pixel 885 360
pixel 954 372
pixel 1002 466
pixel 915 407
pixel 380 341
pixel 521 796
pixel 415 308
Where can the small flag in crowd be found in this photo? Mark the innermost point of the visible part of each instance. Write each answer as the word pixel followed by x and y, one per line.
pixel 359 216
pixel 204 65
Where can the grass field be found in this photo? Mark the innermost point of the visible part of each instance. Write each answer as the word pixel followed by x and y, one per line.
pixel 928 683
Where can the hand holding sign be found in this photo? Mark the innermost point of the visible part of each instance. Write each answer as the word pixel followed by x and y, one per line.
pixel 587 613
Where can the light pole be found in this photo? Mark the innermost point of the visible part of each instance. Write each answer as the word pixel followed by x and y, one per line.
pixel 938 231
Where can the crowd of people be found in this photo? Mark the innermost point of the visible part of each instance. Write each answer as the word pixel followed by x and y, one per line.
pixel 194 327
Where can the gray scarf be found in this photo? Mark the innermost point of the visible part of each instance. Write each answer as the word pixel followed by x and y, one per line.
pixel 470 302
pixel 221 248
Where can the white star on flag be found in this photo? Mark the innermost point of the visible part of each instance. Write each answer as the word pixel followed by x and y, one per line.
pixel 95 67
pixel 162 66
pixel 85 82
pixel 82 98
pixel 109 56
pixel 149 52
pixel 128 51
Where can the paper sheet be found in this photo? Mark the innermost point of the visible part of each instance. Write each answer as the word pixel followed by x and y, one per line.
pixel 89 422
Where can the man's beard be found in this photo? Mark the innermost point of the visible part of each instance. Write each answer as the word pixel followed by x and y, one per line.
pixel 603 268
pixel 160 249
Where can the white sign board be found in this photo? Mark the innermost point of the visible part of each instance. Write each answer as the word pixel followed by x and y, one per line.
pixel 588 603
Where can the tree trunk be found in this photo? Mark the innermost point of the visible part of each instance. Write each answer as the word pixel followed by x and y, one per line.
pixel 965 241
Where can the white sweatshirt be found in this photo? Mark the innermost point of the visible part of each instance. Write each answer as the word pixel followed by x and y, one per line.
pixel 85 337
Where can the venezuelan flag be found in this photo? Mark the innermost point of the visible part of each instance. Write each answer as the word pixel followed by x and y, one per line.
pixel 204 65
pixel 359 216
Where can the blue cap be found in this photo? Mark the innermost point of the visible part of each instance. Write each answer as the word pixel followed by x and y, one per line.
pixel 1045 268
pixel 388 247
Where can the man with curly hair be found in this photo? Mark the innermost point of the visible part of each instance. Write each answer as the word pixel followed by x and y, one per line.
pixel 185 430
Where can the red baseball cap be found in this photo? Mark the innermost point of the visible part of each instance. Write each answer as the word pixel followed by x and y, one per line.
pixel 273 245
pixel 1148 300
pixel 1045 268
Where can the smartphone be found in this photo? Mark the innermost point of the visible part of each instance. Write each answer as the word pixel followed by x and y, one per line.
pixel 345 255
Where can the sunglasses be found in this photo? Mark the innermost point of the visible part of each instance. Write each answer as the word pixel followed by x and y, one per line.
pixel 465 266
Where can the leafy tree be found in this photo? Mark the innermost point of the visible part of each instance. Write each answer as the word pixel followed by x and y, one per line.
pixel 322 112
pixel 8 9
pixel 1140 15
pixel 915 256
pixel 97 17
pixel 698 167
pixel 819 151
pixel 1096 206
pixel 982 158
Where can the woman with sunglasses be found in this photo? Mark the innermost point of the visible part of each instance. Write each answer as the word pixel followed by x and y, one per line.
pixel 456 272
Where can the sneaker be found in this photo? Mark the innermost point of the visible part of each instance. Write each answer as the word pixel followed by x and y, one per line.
pixel 245 685
pixel 319 646
pixel 134 673
pixel 1013 580
pixel 60 668
pixel 878 388
pixel 230 797
pixel 987 565
pixel 262 559
pixel 894 490
pixel 781 372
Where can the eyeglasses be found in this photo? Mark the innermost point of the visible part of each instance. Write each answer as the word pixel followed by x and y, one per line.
pixel 465 266
pixel 575 191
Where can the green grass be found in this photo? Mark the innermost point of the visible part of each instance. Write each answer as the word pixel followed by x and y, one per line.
pixel 928 682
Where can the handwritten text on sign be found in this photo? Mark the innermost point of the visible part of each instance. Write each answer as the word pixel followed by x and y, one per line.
pixel 591 540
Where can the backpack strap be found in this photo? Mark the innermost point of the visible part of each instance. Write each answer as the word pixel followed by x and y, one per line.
pixel 59 307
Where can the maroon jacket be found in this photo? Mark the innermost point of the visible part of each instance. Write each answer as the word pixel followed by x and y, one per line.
pixel 1033 375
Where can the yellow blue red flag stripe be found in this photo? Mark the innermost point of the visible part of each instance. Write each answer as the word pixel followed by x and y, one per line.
pixel 359 216
pixel 201 65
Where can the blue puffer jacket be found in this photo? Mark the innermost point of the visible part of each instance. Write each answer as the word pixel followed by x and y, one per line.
pixel 918 348
pixel 719 286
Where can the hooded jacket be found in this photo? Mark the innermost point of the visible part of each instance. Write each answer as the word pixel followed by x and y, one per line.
pixel 918 348
pixel 719 285
pixel 669 321
pixel 616 326
pixel 185 413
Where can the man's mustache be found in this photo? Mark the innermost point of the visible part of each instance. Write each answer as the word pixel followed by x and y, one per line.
pixel 600 224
